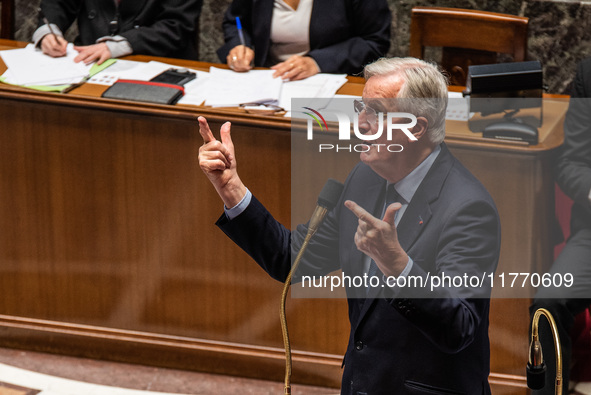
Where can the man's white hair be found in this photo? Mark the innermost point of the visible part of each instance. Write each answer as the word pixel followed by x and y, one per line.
pixel 424 90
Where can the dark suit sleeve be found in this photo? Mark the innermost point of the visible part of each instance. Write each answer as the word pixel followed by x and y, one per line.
pixel 468 248
pixel 270 244
pixel 574 164
pixel 242 9
pixel 60 12
pixel 169 30
pixel 369 39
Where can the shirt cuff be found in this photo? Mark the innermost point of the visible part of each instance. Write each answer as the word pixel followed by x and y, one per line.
pixel 238 209
pixel 43 31
pixel 392 284
pixel 118 45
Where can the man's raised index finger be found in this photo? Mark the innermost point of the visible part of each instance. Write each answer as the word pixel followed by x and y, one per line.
pixel 359 211
pixel 205 131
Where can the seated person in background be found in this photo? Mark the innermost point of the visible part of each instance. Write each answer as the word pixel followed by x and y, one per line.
pixel 111 29
pixel 300 38
pixel 574 178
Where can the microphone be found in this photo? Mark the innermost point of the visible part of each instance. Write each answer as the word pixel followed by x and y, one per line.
pixel 536 368
pixel 327 200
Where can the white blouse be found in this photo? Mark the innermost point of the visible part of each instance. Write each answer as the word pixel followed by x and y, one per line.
pixel 290 31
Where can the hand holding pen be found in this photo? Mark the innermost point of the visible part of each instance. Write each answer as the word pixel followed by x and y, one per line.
pixel 52 44
pixel 240 58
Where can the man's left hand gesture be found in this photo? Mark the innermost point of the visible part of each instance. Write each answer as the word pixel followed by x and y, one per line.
pixel 379 239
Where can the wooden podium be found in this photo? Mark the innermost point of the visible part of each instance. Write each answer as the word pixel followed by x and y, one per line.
pixel 108 247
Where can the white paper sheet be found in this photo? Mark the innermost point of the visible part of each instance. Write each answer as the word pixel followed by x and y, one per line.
pixel 29 66
pixel 226 88
pixel 458 107
pixel 317 86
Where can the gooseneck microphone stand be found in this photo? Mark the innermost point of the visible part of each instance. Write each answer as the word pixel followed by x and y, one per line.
pixel 327 199
pixel 536 368
pixel 283 318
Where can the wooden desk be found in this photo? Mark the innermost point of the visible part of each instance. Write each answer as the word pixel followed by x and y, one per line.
pixel 108 248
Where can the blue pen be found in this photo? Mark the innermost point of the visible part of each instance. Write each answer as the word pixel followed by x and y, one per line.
pixel 240 34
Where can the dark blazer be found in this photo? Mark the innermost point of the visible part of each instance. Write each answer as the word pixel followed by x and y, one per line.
pixel 152 27
pixel 401 345
pixel 574 163
pixel 345 35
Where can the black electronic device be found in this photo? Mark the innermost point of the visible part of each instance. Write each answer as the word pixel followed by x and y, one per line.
pixel 175 76
pixel 145 91
pixel 516 79
pixel 514 130
pixel 506 100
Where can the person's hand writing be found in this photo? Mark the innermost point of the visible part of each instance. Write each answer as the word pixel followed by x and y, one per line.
pixel 54 46
pixel 217 160
pixel 90 53
pixel 296 68
pixel 240 58
pixel 378 238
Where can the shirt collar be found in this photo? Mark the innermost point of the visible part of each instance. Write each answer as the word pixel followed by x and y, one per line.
pixel 407 187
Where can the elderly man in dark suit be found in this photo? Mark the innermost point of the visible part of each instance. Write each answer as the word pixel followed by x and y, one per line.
pixel 574 178
pixel 111 29
pixel 442 222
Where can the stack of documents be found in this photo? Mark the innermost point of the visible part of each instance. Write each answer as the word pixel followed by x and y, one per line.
pixel 227 88
pixel 217 88
pixel 29 66
pixel 318 86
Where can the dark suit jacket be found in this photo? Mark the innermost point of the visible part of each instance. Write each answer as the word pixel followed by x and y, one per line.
pixel 401 345
pixel 574 163
pixel 345 35
pixel 152 27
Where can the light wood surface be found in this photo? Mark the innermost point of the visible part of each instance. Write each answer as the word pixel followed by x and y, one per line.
pixel 108 246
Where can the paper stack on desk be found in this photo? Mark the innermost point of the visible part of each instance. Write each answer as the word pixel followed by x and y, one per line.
pixel 226 88
pixel 219 88
pixel 29 66
pixel 318 86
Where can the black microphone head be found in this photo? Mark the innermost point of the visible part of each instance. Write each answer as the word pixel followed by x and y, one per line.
pixel 330 194
pixel 536 376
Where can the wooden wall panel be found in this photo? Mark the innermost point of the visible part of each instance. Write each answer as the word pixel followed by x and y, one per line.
pixel 107 220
